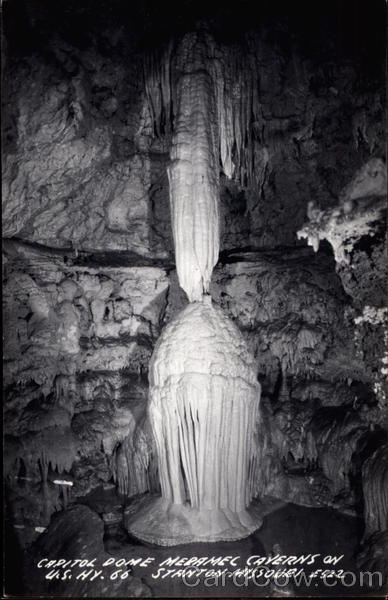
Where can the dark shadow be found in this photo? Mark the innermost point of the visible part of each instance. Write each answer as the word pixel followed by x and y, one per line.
pixel 13 557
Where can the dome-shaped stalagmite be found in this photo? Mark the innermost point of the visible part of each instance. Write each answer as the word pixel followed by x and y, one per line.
pixel 203 407
pixel 202 378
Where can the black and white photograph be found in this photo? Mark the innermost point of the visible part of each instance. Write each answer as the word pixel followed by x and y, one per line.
pixel 195 314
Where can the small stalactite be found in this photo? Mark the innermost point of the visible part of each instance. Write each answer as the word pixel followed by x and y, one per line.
pixel 134 466
pixel 43 466
pixel 52 450
pixel 65 496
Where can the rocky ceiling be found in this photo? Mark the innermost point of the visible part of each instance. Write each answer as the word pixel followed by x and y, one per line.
pixel 88 261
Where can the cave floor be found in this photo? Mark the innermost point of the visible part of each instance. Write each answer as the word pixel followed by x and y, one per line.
pixel 288 530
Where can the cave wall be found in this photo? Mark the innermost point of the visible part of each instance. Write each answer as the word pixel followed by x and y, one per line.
pixel 87 141
pixel 89 274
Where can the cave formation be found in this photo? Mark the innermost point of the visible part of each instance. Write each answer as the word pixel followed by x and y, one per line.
pixel 194 273
pixel 204 394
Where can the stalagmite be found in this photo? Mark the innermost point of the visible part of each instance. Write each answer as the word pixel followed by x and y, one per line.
pixel 204 394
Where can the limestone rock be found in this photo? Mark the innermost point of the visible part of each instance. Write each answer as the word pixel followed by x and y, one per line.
pixel 374 482
pixel 85 337
pixel 78 534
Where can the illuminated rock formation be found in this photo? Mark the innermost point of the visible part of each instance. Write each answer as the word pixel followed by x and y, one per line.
pixel 204 394
pixel 193 173
pixel 359 213
pixel 202 373
pixel 203 409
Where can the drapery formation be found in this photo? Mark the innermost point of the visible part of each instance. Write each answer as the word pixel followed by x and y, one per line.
pixel 203 409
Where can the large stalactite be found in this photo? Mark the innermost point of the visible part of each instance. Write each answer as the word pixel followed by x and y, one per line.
pixel 193 172
pixel 225 82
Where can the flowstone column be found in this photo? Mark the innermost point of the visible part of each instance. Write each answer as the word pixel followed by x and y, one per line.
pixel 204 396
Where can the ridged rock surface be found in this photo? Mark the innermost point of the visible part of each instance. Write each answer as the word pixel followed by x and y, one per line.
pixel 203 408
pixel 375 486
pixel 292 128
pixel 202 377
pixel 193 173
